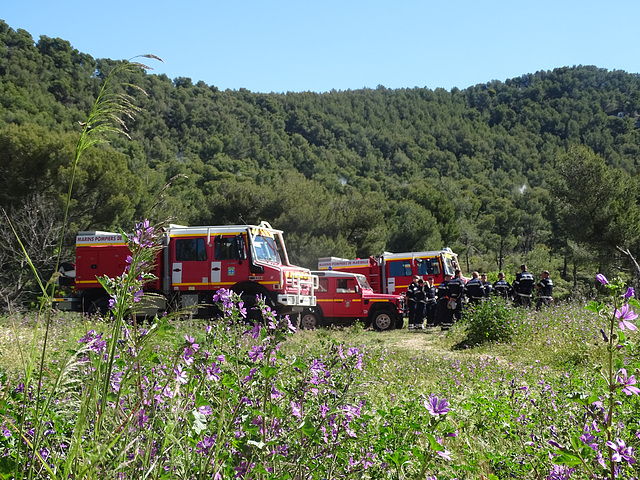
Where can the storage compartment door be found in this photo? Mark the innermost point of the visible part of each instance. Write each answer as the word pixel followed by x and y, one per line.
pixel 176 273
pixel 216 272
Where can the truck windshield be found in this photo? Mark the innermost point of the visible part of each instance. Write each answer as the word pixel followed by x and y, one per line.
pixel 266 249
pixel 449 266
pixel 362 282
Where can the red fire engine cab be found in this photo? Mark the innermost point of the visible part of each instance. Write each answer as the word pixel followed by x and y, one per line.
pixel 393 272
pixel 193 263
pixel 343 298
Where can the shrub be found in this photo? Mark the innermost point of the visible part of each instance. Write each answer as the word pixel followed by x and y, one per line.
pixel 490 321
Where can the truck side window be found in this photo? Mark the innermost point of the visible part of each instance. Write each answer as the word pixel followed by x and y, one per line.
pixel 429 266
pixel 346 285
pixel 323 285
pixel 225 248
pixel 190 249
pixel 435 266
pixel 400 268
pixel 425 267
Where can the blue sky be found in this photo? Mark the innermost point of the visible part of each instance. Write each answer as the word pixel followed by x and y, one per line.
pixel 286 45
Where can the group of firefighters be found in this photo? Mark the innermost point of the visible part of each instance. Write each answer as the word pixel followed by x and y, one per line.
pixel 442 305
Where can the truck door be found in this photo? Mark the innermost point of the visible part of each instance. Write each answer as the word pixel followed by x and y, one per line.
pixel 229 265
pixel 326 295
pixel 189 266
pixel 429 269
pixel 399 275
pixel 348 299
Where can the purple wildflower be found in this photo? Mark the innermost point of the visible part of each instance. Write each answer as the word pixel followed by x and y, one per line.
pixel 143 234
pixel 627 383
pixel 137 296
pixel 446 454
pixel 629 293
pixel 290 325
pixel 224 296
pixel 624 315
pixel 602 279
pixel 167 392
pixel 435 406
pixel 296 409
pixel 213 373
pixel 181 376
pixel 560 472
pixel 589 440
pixel 205 444
pixel 621 452
pixel 249 376
pixel 256 353
pixel 205 410
pixel 555 444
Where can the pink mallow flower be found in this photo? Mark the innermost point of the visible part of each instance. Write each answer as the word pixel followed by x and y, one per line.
pixel 624 315
pixel 627 383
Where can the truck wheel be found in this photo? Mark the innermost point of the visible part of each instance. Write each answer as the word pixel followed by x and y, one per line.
pixel 309 320
pixel 383 320
pixel 99 306
pixel 254 314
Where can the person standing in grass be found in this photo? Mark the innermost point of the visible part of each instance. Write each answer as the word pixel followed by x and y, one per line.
pixel 502 288
pixel 420 295
pixel 411 299
pixel 475 289
pixel 456 289
pixel 444 315
pixel 523 287
pixel 545 290
pixel 430 310
pixel 487 285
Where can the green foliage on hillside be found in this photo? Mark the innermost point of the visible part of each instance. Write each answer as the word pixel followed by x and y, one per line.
pixel 540 169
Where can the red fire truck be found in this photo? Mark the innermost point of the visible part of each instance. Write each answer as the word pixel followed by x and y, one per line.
pixel 192 265
pixel 343 298
pixel 393 272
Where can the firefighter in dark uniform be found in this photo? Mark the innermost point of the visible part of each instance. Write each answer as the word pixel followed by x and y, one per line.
pixel 523 287
pixel 443 314
pixel 419 295
pixel 475 289
pixel 411 299
pixel 545 291
pixel 456 296
pixel 487 285
pixel 502 288
pixel 430 294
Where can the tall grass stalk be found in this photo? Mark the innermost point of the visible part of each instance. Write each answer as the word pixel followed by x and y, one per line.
pixel 107 116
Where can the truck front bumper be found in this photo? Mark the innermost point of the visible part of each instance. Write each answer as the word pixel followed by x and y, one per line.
pixel 293 300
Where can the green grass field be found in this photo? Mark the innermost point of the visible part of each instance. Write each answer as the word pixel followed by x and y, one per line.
pixel 363 401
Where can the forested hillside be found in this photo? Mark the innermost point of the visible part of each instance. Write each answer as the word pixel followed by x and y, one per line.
pixel 540 169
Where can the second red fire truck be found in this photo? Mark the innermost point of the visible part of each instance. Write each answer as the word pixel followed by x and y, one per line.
pixel 391 273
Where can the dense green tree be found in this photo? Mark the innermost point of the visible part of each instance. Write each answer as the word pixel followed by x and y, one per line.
pixel 598 206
